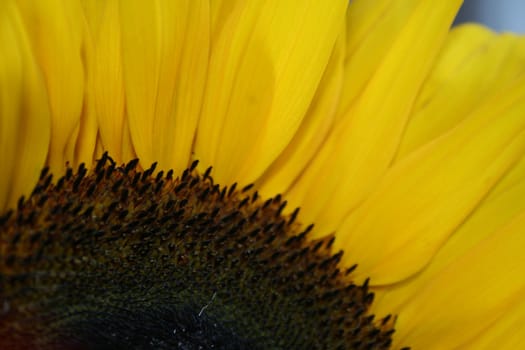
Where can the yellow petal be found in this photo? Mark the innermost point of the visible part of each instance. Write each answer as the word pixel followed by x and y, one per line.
pixel 362 146
pixel 372 30
pixel 55 29
pixel 24 111
pixel 469 295
pixel 422 199
pixel 10 95
pixel 95 11
pixel 107 75
pixel 266 62
pixel 165 54
pixel 312 132
pixel 505 203
pixel 84 138
pixel 475 63
pixel 502 205
pixel 505 332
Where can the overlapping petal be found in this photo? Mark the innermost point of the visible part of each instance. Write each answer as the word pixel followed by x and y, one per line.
pixel 424 198
pixel 24 111
pixel 314 129
pixel 103 20
pixel 56 31
pixel 262 76
pixel 480 289
pixel 504 207
pixel 362 146
pixel 474 64
pixel 165 47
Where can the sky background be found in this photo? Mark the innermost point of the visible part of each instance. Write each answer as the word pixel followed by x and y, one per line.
pixel 501 15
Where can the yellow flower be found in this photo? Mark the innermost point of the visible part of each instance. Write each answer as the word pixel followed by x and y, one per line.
pixel 402 136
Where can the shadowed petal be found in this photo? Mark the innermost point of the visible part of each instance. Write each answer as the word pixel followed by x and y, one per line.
pixel 55 29
pixel 24 110
pixel 266 62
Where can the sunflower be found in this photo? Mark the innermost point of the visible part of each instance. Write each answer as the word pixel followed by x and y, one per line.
pixel 401 139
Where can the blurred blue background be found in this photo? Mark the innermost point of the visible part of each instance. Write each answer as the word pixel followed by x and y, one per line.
pixel 500 15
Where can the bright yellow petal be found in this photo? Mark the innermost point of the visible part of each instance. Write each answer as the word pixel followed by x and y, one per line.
pixel 422 200
pixel 503 68
pixel 474 64
pixel 464 299
pixel 24 111
pixel 107 74
pixel 372 30
pixel 313 131
pixel 55 29
pixel 266 62
pixel 165 54
pixel 362 146
pixel 505 332
pixel 502 205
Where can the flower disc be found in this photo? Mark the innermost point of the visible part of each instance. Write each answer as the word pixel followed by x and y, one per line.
pixel 122 258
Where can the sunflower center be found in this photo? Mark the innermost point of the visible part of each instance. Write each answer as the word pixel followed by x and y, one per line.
pixel 122 258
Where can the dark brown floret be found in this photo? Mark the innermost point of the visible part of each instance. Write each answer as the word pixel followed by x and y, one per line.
pixel 119 258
